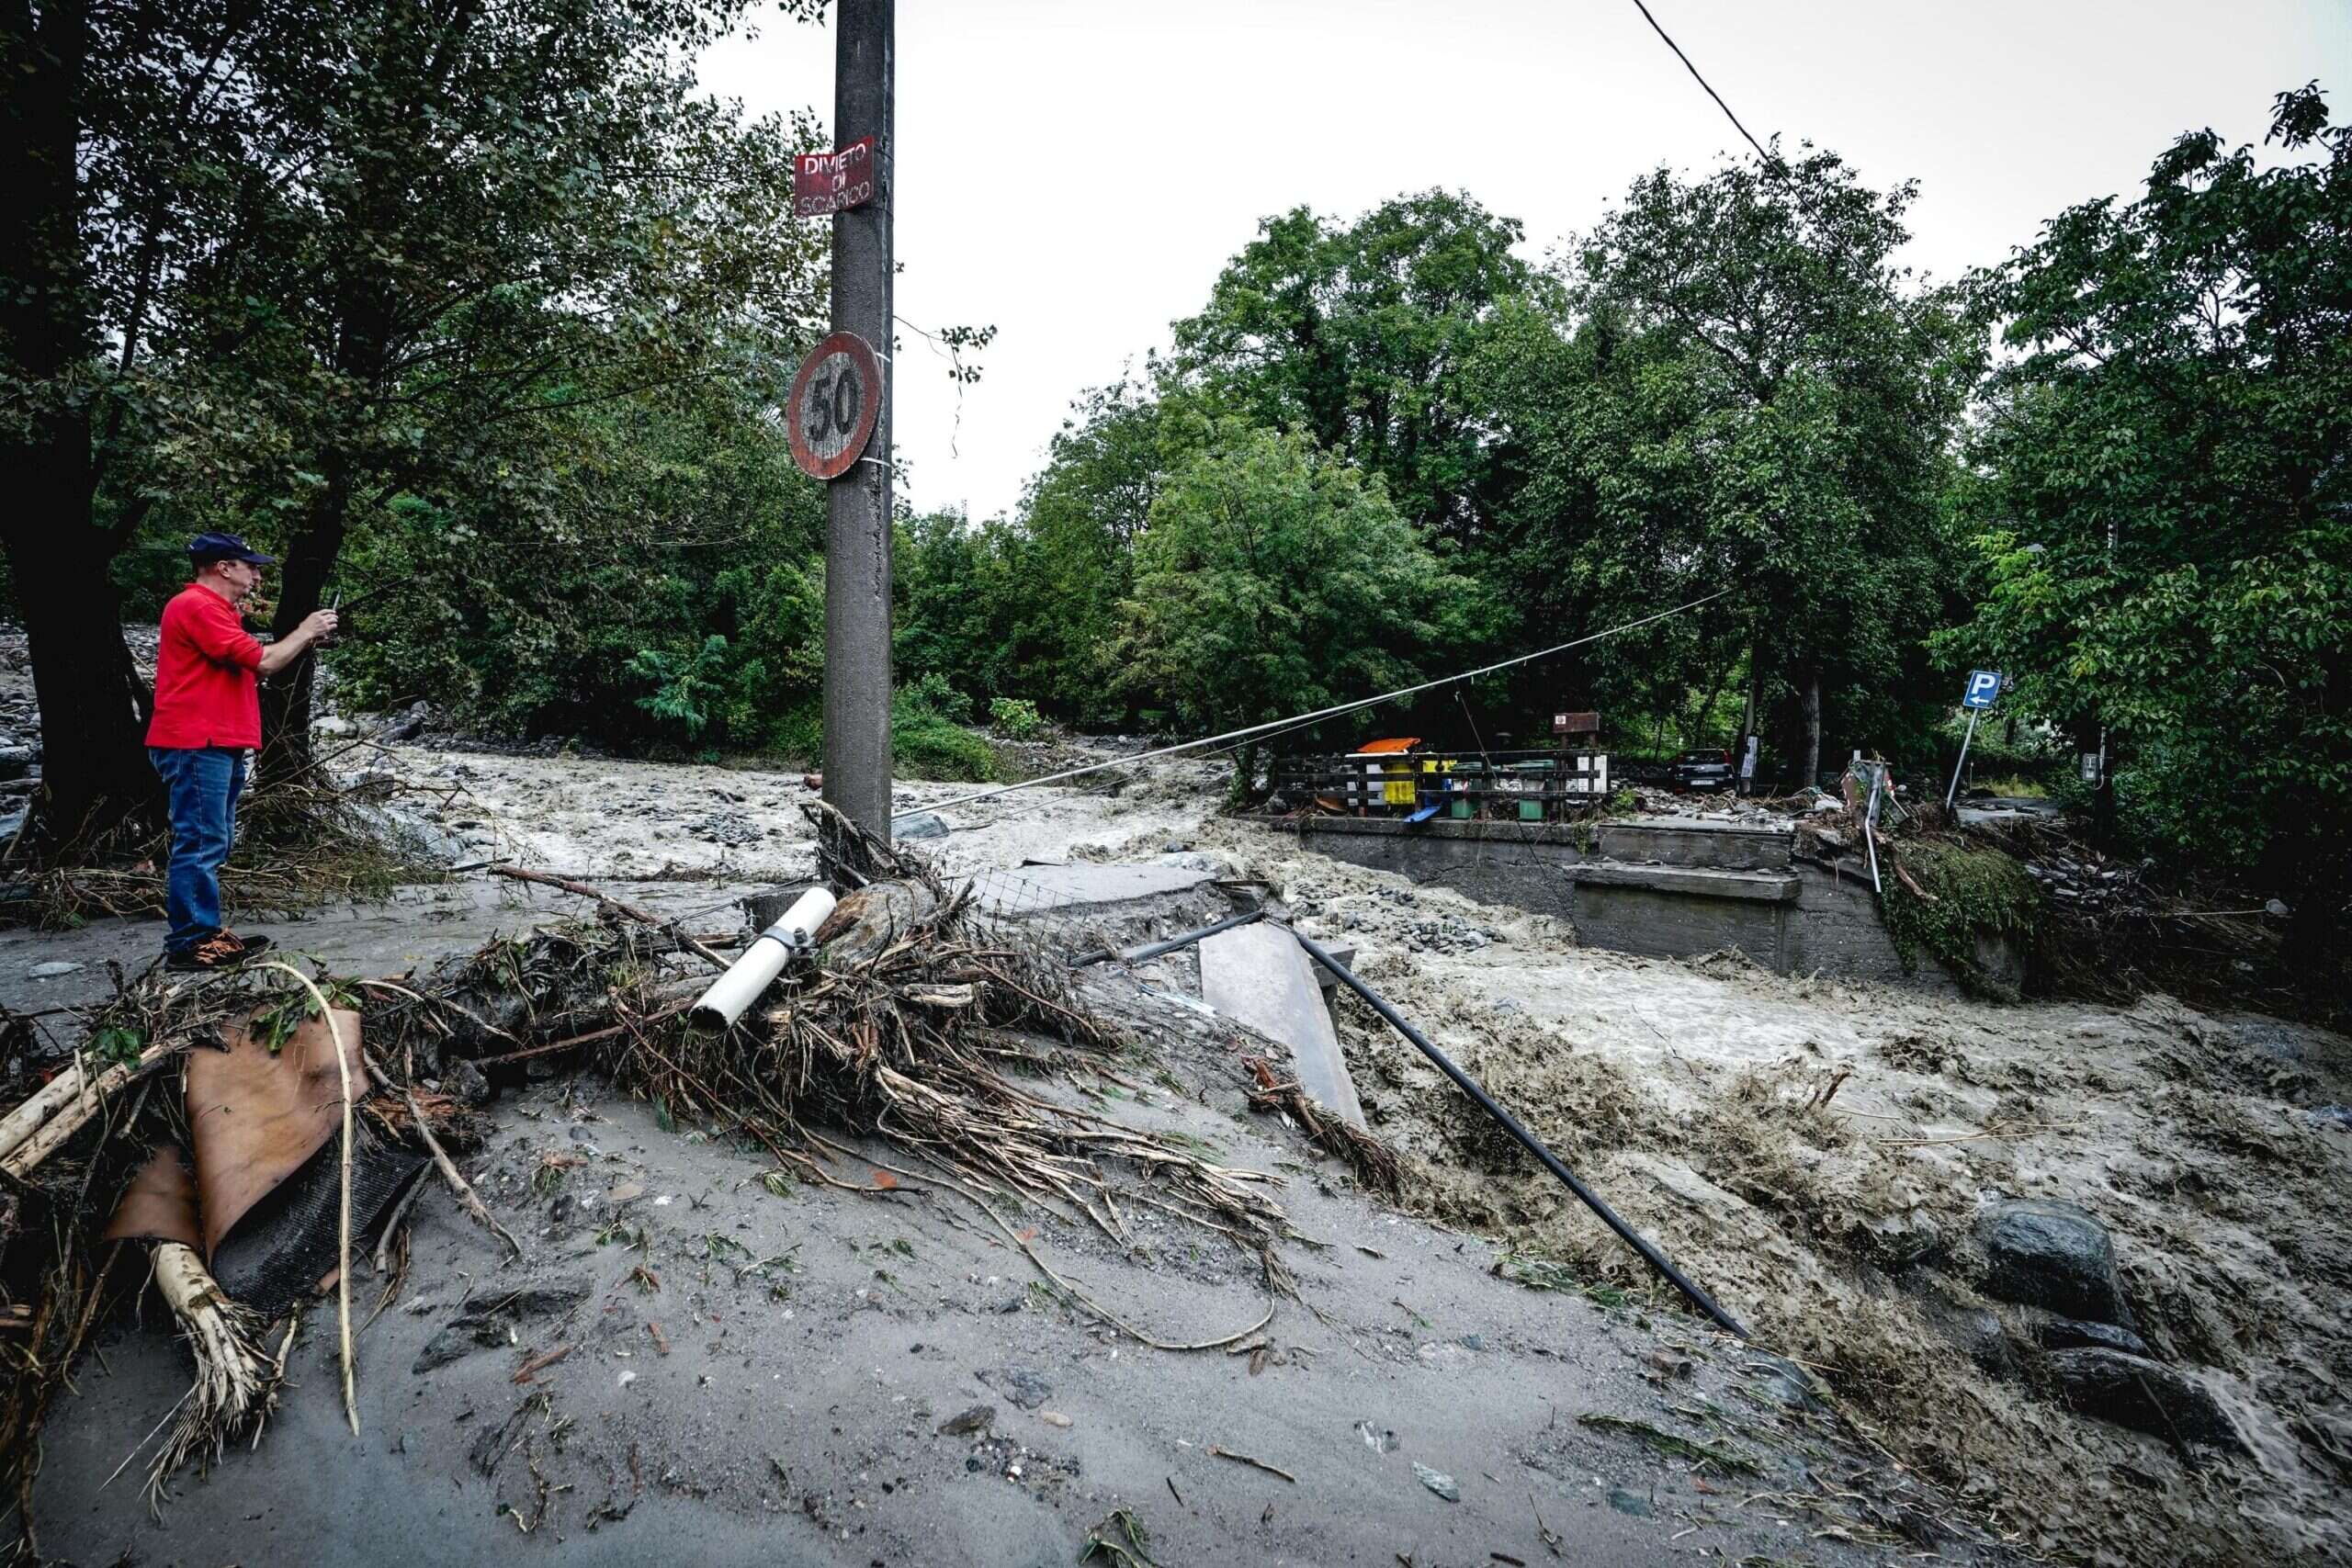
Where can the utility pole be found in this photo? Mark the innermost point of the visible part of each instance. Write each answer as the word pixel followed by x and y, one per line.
pixel 857 505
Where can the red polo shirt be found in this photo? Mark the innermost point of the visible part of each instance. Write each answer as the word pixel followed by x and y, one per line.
pixel 207 692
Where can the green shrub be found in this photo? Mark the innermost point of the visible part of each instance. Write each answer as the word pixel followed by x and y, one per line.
pixel 686 691
pixel 925 746
pixel 1015 718
pixel 923 743
pixel 1969 892
pixel 932 693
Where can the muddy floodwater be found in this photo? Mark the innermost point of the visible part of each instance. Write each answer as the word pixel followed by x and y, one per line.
pixel 1819 1155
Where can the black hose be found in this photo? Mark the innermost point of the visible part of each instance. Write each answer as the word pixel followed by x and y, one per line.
pixel 1594 1200
pixel 1153 950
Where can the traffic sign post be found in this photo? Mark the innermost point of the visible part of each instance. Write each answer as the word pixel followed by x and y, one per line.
pixel 841 426
pixel 1983 689
pixel 834 402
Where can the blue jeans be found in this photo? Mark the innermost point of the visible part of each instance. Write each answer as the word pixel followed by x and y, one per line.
pixel 202 785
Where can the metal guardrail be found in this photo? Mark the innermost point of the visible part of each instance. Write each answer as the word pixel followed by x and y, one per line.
pixel 1523 786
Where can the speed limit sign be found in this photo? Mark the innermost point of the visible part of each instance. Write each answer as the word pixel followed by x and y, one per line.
pixel 835 400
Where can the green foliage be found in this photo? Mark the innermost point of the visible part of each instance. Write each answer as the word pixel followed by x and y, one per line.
pixel 1015 718
pixel 930 694
pixel 1273 579
pixel 666 522
pixel 1739 388
pixel 2165 506
pixel 1361 336
pixel 1966 892
pixel 928 739
pixel 117 1045
pixel 684 689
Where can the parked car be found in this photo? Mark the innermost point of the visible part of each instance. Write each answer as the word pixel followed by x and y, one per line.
pixel 1706 768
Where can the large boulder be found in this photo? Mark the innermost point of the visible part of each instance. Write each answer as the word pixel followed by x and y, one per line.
pixel 2042 1253
pixel 2145 1395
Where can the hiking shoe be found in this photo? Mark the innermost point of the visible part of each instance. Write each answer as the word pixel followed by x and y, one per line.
pixel 249 946
pixel 220 950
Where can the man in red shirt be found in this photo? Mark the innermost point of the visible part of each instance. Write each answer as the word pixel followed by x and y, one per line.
pixel 207 715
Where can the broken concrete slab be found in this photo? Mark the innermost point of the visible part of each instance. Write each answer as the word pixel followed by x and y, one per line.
pixel 1260 975
pixel 1078 888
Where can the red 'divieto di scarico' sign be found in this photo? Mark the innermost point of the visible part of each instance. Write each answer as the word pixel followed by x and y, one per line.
pixel 826 183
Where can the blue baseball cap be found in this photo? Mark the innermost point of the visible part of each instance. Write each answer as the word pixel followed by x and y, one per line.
pixel 209 548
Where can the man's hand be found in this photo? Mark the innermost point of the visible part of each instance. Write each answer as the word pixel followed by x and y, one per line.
pixel 316 627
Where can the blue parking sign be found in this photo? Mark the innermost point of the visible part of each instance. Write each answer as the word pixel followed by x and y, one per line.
pixel 1984 685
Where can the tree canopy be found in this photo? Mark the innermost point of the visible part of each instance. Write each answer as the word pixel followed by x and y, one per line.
pixel 2163 506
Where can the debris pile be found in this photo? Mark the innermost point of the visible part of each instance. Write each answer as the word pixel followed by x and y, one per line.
pixel 914 1031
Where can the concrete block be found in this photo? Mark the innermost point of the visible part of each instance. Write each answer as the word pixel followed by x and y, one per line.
pixel 1260 976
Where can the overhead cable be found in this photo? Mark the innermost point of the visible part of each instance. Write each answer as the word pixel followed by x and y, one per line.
pixel 1661 32
pixel 1296 721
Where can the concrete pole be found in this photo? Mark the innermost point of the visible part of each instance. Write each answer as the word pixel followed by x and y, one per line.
pixel 857 506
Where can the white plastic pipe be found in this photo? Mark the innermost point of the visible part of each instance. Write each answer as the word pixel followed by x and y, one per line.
pixel 772 949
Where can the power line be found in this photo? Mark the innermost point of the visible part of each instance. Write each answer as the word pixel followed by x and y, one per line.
pixel 1298 721
pixel 1661 32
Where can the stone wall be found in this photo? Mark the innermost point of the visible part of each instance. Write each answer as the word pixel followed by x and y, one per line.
pixel 1668 889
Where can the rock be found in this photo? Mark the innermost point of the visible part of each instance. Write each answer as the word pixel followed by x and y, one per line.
pixel 15 761
pixel 1978 1334
pixel 1022 1387
pixel 1632 1503
pixel 53 969
pixel 1905 1238
pixel 1438 1482
pixel 978 1418
pixel 2144 1396
pixel 2073 1333
pixel 2040 1252
pixel 1782 1380
pixel 468 1082
pixel 410 725
pixel 919 825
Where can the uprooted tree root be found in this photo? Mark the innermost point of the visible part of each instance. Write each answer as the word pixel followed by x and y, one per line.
pixel 236 1382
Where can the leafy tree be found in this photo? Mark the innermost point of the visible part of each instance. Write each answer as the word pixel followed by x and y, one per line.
pixel 1745 391
pixel 1360 336
pixel 1074 556
pixel 2163 486
pixel 345 260
pixel 648 527
pixel 1273 579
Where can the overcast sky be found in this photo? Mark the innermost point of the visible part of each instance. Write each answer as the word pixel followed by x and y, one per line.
pixel 1075 172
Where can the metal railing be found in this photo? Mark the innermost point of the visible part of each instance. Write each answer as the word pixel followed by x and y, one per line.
pixel 1520 787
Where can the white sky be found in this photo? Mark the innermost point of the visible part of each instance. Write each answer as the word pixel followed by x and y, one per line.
pixel 1076 171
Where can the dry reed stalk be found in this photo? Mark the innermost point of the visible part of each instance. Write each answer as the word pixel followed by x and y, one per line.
pixel 467 1197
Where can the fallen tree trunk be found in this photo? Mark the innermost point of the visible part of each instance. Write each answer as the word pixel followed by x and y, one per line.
pixel 40 1126
pixel 34 1113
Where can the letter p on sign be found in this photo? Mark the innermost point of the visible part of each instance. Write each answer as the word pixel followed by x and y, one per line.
pixel 1984 685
